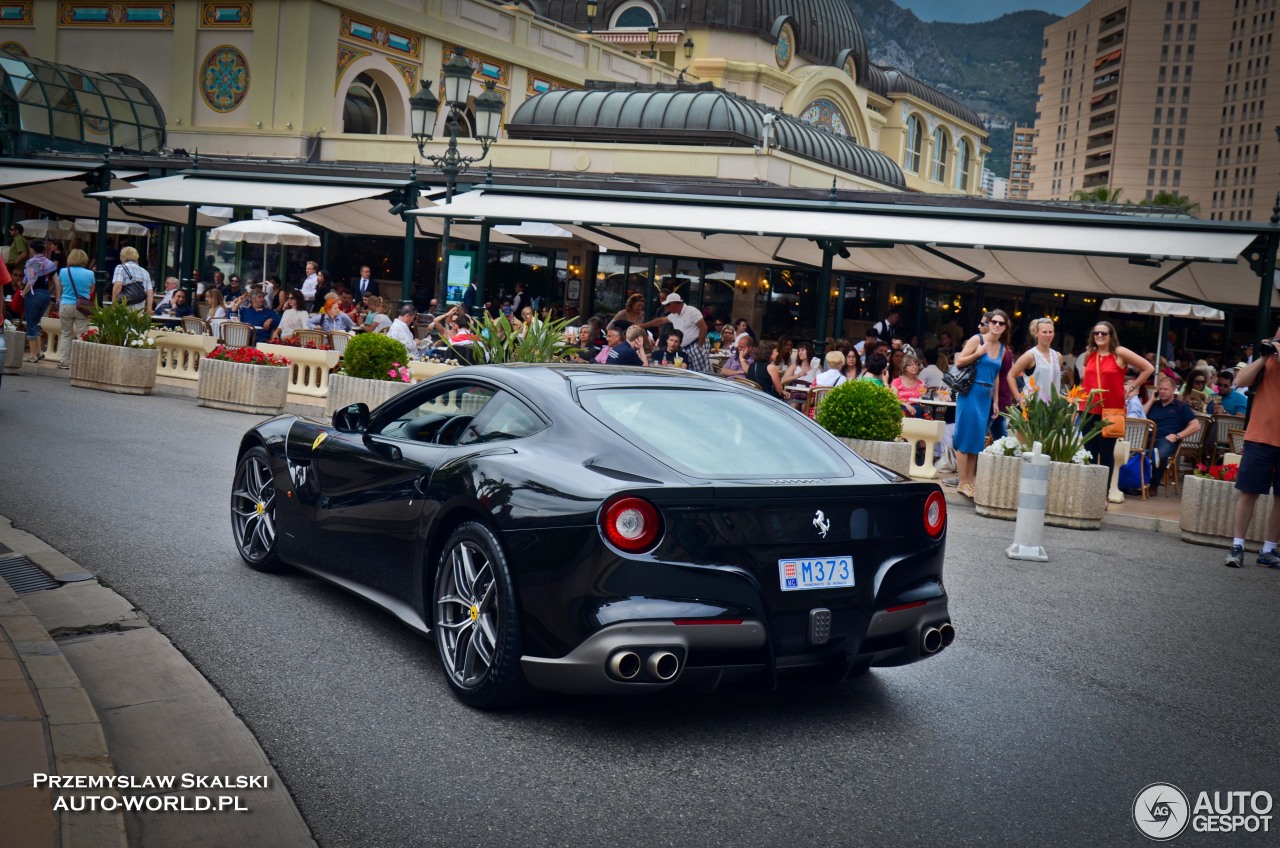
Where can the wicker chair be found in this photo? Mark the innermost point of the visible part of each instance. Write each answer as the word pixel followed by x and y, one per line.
pixel 1223 424
pixel 316 337
pixel 1191 449
pixel 237 334
pixel 195 326
pixel 1237 441
pixel 337 340
pixel 813 398
pixel 1141 436
pixel 743 381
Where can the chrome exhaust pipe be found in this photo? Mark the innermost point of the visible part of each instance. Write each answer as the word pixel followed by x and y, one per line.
pixel 947 632
pixel 663 665
pixel 931 641
pixel 624 665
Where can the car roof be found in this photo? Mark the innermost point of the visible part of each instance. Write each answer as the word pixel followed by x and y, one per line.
pixel 552 375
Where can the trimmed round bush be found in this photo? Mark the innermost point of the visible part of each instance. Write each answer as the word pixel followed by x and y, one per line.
pixel 859 409
pixel 372 356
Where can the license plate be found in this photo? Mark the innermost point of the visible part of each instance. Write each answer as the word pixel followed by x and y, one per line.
pixel 820 573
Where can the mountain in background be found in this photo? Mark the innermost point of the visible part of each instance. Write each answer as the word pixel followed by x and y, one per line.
pixel 992 67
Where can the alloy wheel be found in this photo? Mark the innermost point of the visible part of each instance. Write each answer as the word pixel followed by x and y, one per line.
pixel 467 614
pixel 253 509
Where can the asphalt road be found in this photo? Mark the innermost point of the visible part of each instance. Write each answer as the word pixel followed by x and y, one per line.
pixel 1129 659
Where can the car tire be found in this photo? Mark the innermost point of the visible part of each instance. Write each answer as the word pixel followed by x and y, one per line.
pixel 253 511
pixel 476 620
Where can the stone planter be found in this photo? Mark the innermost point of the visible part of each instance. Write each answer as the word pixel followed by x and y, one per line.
pixel 15 343
pixel 240 387
pixel 426 370
pixel 344 390
pixel 1077 493
pixel 893 455
pixel 108 368
pixel 1209 509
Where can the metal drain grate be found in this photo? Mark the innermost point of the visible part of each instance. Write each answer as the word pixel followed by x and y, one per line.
pixel 24 576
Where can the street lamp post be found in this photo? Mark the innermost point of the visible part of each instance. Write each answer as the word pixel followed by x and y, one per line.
pixel 424 109
pixel 653 41
pixel 592 8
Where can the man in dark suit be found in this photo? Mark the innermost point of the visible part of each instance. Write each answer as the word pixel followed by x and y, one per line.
pixel 364 285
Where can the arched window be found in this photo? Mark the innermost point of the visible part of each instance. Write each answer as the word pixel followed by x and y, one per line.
pixel 915 141
pixel 941 149
pixel 634 16
pixel 365 109
pixel 963 165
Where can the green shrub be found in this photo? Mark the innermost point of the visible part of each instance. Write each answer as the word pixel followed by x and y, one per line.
pixel 373 356
pixel 858 409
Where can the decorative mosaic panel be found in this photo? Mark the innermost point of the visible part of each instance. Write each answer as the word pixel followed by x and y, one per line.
pixel 824 113
pixel 346 56
pixel 14 47
pixel 484 67
pixel 785 48
pixel 380 36
pixel 408 72
pixel 137 14
pixel 226 15
pixel 224 78
pixel 540 85
pixel 15 14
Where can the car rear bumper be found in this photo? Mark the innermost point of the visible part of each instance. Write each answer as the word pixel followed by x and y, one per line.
pixel 586 670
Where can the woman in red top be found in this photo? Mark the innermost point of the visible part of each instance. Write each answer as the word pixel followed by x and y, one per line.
pixel 1105 364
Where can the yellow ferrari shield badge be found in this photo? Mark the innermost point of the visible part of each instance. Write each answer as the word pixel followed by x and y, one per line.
pixel 319 439
pixel 475 613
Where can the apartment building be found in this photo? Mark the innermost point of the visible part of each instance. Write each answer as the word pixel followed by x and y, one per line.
pixel 1151 96
pixel 1024 143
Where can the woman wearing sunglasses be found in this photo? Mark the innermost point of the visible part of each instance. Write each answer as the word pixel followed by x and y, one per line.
pixel 976 409
pixel 1105 364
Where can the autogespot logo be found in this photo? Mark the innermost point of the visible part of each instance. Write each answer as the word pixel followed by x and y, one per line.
pixel 1160 811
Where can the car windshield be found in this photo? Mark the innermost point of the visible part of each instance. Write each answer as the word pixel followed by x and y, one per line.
pixel 714 434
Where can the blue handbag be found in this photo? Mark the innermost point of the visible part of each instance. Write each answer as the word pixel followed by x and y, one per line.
pixel 1137 470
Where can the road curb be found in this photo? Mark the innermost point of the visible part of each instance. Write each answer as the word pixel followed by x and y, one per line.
pixel 72 729
pixel 1145 523
pixel 111 695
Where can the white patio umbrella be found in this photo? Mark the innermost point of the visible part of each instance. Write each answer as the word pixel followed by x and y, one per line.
pixel 1173 309
pixel 44 227
pixel 115 228
pixel 265 231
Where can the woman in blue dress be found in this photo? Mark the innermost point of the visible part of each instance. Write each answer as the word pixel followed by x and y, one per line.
pixel 975 410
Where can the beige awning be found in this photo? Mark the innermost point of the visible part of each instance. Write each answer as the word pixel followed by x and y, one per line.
pixel 19 176
pixel 1036 248
pixel 374 218
pixel 65 198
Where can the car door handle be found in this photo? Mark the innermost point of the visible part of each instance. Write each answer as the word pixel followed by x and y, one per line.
pixel 385 450
pixel 420 484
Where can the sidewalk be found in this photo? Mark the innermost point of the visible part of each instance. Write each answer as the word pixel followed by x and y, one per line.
pixel 88 688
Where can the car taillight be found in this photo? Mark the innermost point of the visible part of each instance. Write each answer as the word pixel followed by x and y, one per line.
pixel 935 514
pixel 630 524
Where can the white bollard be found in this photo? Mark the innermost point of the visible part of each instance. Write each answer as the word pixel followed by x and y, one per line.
pixel 1033 493
pixel 1119 457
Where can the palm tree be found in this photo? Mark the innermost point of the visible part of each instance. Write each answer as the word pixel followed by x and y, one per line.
pixel 1171 199
pixel 1100 194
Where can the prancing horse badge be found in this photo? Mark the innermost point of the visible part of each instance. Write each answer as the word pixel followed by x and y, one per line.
pixel 820 521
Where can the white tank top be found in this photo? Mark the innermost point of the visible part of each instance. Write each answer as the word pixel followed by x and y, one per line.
pixel 1048 373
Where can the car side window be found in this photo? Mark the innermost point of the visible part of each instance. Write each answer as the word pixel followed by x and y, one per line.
pixel 439 418
pixel 504 418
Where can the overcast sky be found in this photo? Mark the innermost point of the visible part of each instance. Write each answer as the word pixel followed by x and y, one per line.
pixel 968 11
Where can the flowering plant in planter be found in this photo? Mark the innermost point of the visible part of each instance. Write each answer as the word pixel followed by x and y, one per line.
pixel 1055 424
pixel 399 372
pixel 120 326
pixel 1218 472
pixel 245 356
pixel 294 341
pixel 373 356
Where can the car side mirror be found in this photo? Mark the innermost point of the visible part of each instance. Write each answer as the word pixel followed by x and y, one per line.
pixel 352 419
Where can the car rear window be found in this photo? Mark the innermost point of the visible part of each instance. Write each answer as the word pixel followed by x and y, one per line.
pixel 714 434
